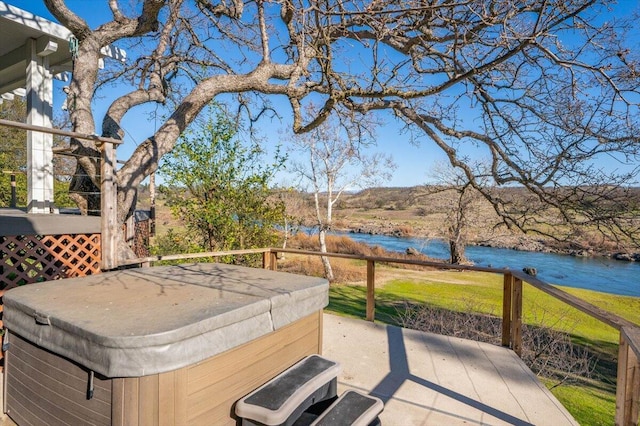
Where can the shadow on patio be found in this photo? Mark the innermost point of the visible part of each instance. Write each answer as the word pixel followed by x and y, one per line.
pixel 432 379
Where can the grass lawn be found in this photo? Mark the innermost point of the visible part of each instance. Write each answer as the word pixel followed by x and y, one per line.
pixel 590 403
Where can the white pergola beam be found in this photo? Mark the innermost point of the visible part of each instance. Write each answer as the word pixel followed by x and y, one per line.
pixel 15 87
pixel 45 46
pixel 17 59
pixel 37 48
pixel 14 58
pixel 32 21
pixel 114 53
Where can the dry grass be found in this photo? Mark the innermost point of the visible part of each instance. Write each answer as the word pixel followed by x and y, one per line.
pixel 335 244
pixel 345 270
pixel 417 211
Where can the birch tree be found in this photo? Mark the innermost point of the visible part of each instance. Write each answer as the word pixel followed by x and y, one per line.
pixel 333 160
pixel 544 88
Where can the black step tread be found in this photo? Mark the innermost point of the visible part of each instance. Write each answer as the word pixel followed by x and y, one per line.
pixel 283 394
pixel 353 408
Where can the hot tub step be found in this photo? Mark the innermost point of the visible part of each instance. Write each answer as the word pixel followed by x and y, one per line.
pixel 283 399
pixel 353 408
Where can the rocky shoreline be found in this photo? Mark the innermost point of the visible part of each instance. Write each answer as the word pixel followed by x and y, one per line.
pixel 521 243
pixel 542 247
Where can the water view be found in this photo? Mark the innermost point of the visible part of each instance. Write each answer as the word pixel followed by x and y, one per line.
pixel 595 273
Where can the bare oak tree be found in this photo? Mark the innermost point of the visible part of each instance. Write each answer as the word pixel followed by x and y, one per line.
pixel 552 84
pixel 461 204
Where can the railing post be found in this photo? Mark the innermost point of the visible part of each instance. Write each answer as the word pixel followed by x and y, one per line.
pixel 516 316
pixel 108 206
pixel 506 309
pixel 270 260
pixel 14 202
pixel 628 383
pixel 371 285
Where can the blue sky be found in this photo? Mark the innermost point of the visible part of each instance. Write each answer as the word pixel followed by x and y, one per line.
pixel 415 162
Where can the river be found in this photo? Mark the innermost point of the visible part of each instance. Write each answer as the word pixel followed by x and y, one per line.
pixel 593 273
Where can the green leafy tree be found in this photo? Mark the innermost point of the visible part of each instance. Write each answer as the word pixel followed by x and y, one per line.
pixel 13 159
pixel 221 187
pixel 13 153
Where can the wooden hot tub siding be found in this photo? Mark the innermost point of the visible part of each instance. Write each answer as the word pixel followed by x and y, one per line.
pixel 47 389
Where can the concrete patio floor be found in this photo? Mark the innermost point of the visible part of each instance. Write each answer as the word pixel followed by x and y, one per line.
pixel 429 379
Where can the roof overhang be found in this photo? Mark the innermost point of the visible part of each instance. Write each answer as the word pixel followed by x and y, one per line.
pixel 16 27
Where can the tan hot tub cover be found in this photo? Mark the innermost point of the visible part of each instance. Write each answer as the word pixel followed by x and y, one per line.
pixel 139 322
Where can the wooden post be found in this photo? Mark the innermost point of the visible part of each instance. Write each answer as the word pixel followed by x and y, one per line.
pixel 152 209
pixel 628 383
pixel 506 309
pixel 14 202
pixel 130 233
pixel 108 206
pixel 270 260
pixel 516 317
pixel 371 285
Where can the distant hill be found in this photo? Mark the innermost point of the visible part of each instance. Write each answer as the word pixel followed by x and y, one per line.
pixel 424 211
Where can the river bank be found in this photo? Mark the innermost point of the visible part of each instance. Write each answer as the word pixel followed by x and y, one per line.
pixel 503 241
pixel 420 213
pixel 602 274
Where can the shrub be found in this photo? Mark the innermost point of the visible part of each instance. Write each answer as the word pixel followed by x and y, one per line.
pixel 173 242
pixel 548 352
pixel 403 231
pixel 344 270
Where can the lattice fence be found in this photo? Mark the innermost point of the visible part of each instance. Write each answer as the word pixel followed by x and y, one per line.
pixel 28 259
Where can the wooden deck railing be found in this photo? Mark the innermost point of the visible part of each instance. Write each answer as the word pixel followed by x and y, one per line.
pixel 628 378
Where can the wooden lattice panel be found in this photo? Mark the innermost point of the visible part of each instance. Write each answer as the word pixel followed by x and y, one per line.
pixel 28 259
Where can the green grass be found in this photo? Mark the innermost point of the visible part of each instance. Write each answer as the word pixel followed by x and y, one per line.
pixel 482 293
pixel 589 406
pixel 590 403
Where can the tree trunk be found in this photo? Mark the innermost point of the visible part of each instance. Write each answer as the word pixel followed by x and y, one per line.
pixel 328 272
pixel 285 240
pixel 456 251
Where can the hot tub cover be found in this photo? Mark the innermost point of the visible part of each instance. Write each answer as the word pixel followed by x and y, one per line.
pixel 138 322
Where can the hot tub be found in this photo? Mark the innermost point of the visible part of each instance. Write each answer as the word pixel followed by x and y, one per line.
pixel 170 345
